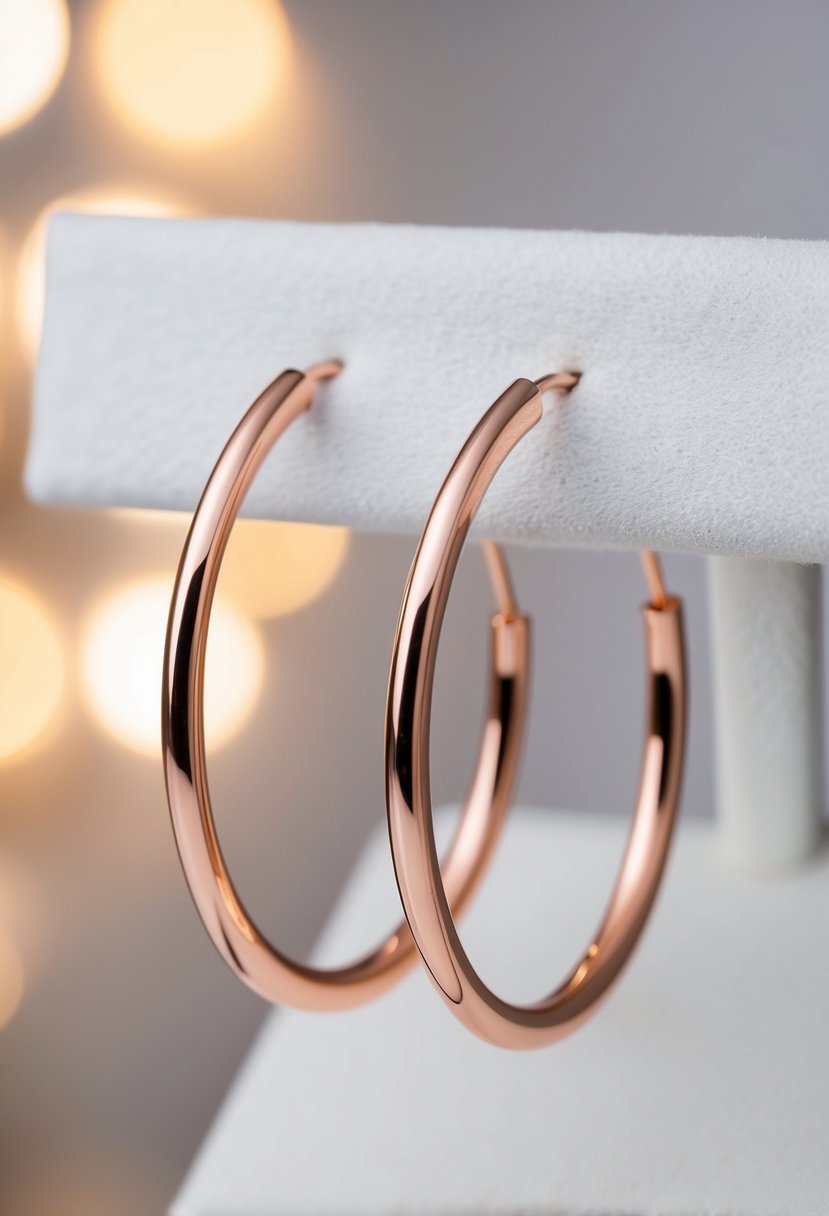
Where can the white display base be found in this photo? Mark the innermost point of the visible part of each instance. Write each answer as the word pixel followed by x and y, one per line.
pixel 702 1085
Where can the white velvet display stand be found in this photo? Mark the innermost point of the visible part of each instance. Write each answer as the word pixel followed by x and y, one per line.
pixel 701 423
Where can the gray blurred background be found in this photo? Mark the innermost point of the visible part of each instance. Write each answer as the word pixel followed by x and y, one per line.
pixel 692 117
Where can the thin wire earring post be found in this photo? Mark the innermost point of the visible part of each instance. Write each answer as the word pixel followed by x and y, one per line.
pixel 563 383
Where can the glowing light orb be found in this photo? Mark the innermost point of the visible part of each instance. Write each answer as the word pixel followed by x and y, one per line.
pixel 34 47
pixel 122 653
pixel 31 670
pixel 12 979
pixel 272 569
pixel 31 263
pixel 191 73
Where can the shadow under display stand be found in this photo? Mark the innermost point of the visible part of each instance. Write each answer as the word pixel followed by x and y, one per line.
pixel 683 434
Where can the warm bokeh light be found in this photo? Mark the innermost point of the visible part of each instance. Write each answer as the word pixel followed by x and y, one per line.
pixel 34 46
pixel 31 264
pixel 121 656
pixel 11 978
pixel 31 670
pixel 191 73
pixel 272 569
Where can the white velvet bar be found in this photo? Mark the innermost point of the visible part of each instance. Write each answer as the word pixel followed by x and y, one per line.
pixel 701 422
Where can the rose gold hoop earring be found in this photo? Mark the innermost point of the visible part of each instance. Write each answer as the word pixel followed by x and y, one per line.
pixel 408 796
pixel 262 967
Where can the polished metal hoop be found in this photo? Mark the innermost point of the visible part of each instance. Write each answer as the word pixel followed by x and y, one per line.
pixel 408 789
pixel 262 967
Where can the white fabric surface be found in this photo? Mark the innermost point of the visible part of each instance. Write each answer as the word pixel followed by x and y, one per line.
pixel 701 423
pixel 701 1087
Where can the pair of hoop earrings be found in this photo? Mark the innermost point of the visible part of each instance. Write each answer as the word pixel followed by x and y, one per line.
pixel 432 897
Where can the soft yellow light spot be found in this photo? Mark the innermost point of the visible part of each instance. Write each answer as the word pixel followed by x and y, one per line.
pixel 31 670
pixel 31 263
pixel 122 652
pixel 191 73
pixel 11 979
pixel 34 46
pixel 272 569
